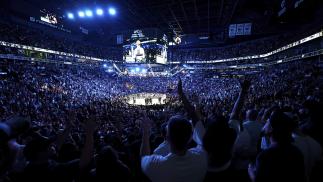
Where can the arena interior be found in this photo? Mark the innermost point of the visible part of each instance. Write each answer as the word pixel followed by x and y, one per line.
pixel 161 90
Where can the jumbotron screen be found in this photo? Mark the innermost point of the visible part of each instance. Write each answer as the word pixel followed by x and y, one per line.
pixel 142 49
pixel 48 17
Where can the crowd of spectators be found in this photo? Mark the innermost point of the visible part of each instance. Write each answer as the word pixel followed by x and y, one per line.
pixel 24 35
pixel 71 123
pixel 20 34
pixel 247 48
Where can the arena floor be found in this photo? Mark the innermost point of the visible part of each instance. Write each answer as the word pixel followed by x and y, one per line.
pixel 146 99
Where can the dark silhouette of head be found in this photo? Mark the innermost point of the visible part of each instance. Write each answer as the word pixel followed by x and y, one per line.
pixel 218 141
pixel 106 158
pixel 163 129
pixel 179 133
pixel 252 115
pixel 281 127
pixel 37 148
pixel 108 166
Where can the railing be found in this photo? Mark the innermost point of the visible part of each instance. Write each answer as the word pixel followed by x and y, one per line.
pixel 286 47
pixel 37 49
pixel 263 64
pixel 77 56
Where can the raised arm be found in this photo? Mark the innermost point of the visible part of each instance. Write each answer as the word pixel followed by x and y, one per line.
pixel 145 127
pixel 187 105
pixel 61 137
pixel 240 100
pixel 267 113
pixel 87 152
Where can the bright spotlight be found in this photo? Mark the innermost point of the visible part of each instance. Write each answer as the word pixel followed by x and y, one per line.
pixel 99 11
pixel 137 69
pixel 81 14
pixel 88 13
pixel 144 70
pixel 105 65
pixel 70 16
pixel 112 11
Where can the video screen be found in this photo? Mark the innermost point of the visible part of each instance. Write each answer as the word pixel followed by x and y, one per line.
pixel 48 17
pixel 143 50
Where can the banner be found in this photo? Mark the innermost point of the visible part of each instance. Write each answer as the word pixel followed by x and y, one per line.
pixel 232 30
pixel 240 28
pixel 33 19
pixel 119 39
pixel 85 31
pixel 247 29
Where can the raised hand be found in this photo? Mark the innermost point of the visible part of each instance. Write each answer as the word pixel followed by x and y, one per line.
pixel 71 119
pixel 180 87
pixel 198 112
pixel 245 84
pixel 236 111
pixel 251 172
pixel 187 105
pixel 90 125
pixel 145 124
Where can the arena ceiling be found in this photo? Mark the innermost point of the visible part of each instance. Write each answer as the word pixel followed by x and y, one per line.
pixel 177 16
pixel 182 16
